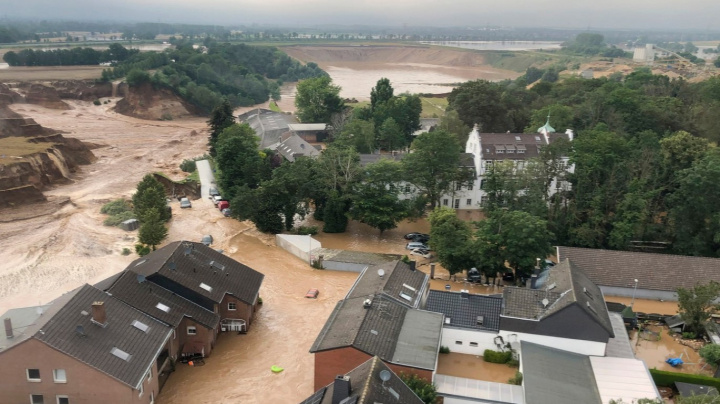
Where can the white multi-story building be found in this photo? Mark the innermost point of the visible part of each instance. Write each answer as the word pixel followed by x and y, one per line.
pixel 488 149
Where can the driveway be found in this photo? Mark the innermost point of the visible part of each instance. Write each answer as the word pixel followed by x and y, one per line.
pixel 207 179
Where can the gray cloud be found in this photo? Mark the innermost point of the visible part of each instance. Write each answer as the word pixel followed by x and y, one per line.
pixel 633 14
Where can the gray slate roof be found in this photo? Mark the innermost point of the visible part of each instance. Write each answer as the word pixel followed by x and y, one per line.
pixel 619 345
pixel 26 321
pixel 398 280
pixel 553 376
pixel 294 147
pixel 565 285
pixel 464 311
pixel 388 329
pixel 145 296
pixel 495 146
pixel 94 349
pixel 192 262
pixel 664 272
pixel 367 387
pixel 268 125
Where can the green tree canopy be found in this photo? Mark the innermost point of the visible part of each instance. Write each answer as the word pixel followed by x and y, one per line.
pixel 382 92
pixel 317 100
pixel 695 305
pixel 423 388
pixel 451 239
pixel 221 118
pixel 376 197
pixel 152 231
pixel 150 194
pixel 239 160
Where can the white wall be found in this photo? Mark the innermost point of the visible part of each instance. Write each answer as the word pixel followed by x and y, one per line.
pixel 567 344
pixel 484 340
pixel 299 246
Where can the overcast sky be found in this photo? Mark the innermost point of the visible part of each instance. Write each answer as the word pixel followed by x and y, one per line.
pixel 632 14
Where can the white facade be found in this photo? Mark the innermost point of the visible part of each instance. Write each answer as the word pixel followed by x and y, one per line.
pixel 466 341
pixel 471 197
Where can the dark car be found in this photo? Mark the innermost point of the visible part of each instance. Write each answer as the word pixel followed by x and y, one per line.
pixel 410 236
pixel 508 276
pixel 474 275
pixel 226 212
pixel 418 237
pixel 213 191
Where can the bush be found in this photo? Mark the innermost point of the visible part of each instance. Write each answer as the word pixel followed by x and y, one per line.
pixel 115 207
pixel 166 117
pixel 517 380
pixel 125 251
pixel 667 379
pixel 305 230
pixel 444 349
pixel 136 77
pixel 142 250
pixel 116 220
pixel 97 102
pixel 689 335
pixel 513 363
pixel 496 357
pixel 188 166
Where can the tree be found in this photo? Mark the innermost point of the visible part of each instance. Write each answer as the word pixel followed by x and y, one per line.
pixel 335 216
pixel 533 74
pixel 238 158
pixel 711 354
pixel 220 118
pixel 390 135
pixel 695 305
pixel 382 92
pixel 451 123
pixel 517 237
pixel 152 231
pixel 358 134
pixel 137 77
pixel 433 166
pixel 451 240
pixel 423 388
pixel 484 103
pixel 376 199
pixel 150 194
pixel 317 99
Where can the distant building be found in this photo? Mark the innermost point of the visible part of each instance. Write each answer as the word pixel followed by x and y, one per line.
pixel 279 132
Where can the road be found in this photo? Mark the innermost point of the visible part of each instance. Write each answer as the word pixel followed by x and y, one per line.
pixel 207 179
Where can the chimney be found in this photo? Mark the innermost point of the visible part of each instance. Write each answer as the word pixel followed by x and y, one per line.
pixel 533 281
pixel 341 389
pixel 570 134
pixel 8 328
pixel 99 316
pixel 412 265
pixel 432 270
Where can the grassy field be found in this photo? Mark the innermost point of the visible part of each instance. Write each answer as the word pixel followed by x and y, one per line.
pixel 274 107
pixel 433 107
pixel 520 61
pixel 23 73
pixel 13 148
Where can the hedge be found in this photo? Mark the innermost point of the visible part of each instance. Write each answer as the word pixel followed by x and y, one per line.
pixel 496 357
pixel 668 379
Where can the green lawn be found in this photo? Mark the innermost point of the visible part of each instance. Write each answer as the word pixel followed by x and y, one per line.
pixel 433 107
pixel 274 107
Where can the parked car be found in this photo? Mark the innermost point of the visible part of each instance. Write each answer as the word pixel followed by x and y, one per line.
pixel 223 205
pixel 185 203
pixel 226 212
pixel 415 245
pixel 312 294
pixel 216 199
pixel 411 236
pixel 474 275
pixel 207 239
pixel 421 252
pixel 508 276
pixel 421 238
pixel 213 191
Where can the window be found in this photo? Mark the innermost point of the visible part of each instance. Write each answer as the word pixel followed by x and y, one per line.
pixel 482 184
pixel 59 376
pixel 458 187
pixel 232 306
pixel 149 376
pixel 37 399
pixel 407 189
pixel 470 186
pixel 479 320
pixel 468 202
pixel 484 200
pixel 191 330
pixel 206 287
pixel 474 344
pixel 142 390
pixel 163 307
pixel 458 342
pixel 62 399
pixel 121 354
pixel 140 326
pixel 445 202
pixel 457 204
pixel 33 375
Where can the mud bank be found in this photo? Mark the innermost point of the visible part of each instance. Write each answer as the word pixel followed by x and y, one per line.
pixel 415 69
pixel 146 102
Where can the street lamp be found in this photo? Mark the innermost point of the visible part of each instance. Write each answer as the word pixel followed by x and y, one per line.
pixel 633 296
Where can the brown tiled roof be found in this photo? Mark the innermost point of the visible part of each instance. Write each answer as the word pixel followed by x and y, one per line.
pixel 93 347
pixel 653 271
pixel 530 143
pixel 145 296
pixel 191 264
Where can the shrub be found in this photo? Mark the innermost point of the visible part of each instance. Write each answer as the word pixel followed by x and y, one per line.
pixel 444 349
pixel 667 379
pixel 405 259
pixel 305 230
pixel 125 251
pixel 137 77
pixel 142 250
pixel 496 357
pixel 689 335
pixel 188 166
pixel 97 102
pixel 513 363
pixel 115 207
pixel 517 380
pixel 116 220
pixel 166 117
pixel 425 390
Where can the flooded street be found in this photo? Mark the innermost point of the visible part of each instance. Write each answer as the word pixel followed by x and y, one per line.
pixel 657 345
pixel 474 367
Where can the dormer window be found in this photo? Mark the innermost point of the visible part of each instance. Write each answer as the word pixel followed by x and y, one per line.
pixel 499 149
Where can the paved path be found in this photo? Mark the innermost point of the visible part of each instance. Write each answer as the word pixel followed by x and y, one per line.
pixel 207 179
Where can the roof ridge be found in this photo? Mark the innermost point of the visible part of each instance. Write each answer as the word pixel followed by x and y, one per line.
pixel 642 252
pixel 366 386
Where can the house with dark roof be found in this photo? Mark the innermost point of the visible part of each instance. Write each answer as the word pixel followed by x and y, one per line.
pixel 371 382
pixel 406 339
pixel 564 309
pixel 85 347
pixel 205 277
pixel 194 327
pixel 472 322
pixel 293 147
pixel 657 275
pixel 395 280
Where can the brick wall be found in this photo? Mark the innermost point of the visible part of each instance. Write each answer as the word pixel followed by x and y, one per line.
pixel 84 384
pixel 242 310
pixel 203 335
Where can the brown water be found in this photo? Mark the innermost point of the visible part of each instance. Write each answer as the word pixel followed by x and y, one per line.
pixel 474 367
pixel 647 306
pixel 655 352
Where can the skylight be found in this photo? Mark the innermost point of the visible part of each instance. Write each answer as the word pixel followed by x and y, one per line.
pixel 141 262
pixel 162 307
pixel 409 287
pixel 406 297
pixel 121 354
pixel 140 326
pixel 206 287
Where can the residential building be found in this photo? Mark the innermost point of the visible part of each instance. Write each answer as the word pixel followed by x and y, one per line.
pixel 269 126
pixel 206 278
pixel 371 382
pixel 280 132
pixel 394 280
pixel 292 147
pixel 195 328
pixel 406 339
pixel 657 275
pixel 84 347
